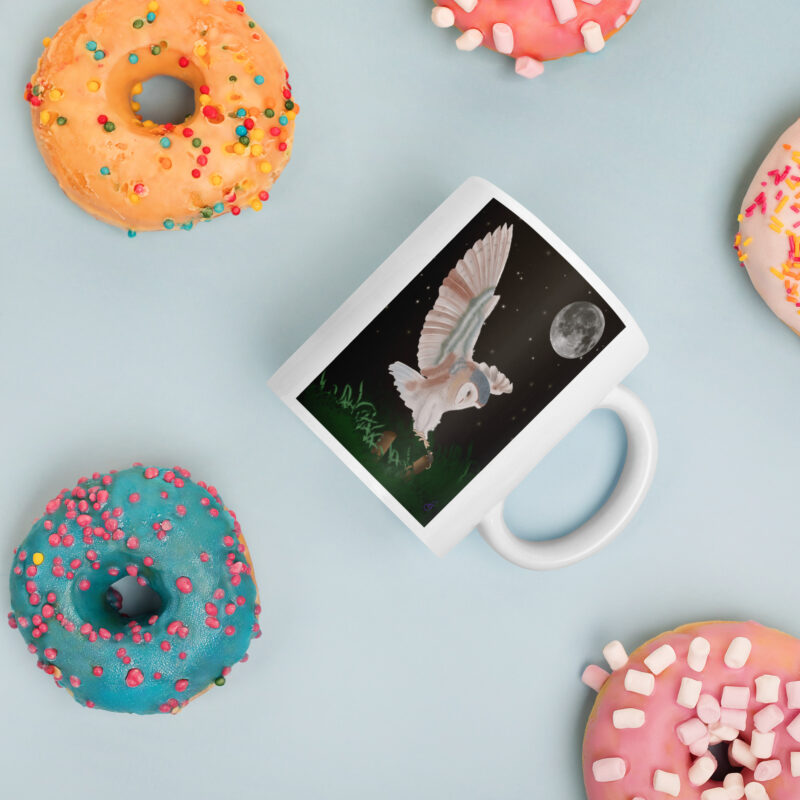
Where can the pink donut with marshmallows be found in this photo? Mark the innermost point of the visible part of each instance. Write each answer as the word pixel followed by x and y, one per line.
pixel 709 711
pixel 534 31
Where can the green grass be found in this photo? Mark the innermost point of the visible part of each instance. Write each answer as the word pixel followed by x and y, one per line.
pixel 356 423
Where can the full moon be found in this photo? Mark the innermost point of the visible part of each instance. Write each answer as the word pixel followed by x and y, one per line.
pixel 577 329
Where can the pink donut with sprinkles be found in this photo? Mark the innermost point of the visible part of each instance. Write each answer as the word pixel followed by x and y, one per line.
pixel 768 239
pixel 174 538
pixel 710 711
pixel 534 31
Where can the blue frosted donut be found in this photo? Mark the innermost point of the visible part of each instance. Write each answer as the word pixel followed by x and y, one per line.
pixel 173 535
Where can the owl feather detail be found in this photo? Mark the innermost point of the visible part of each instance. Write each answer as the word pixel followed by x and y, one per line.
pixel 449 379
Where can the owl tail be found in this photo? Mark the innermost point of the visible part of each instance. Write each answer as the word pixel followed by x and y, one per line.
pixel 408 382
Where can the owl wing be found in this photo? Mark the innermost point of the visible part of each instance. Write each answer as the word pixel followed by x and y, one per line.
pixel 466 298
pixel 498 383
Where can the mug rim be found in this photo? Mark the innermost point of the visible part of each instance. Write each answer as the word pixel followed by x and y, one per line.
pixel 521 455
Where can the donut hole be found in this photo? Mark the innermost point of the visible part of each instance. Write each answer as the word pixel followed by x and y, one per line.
pixel 165 100
pixel 133 600
pixel 724 765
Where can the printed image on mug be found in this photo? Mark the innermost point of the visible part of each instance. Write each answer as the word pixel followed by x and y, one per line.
pixel 461 360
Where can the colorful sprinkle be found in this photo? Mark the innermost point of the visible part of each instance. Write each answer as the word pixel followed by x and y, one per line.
pixel 133 58
pixel 165 142
pixel 105 171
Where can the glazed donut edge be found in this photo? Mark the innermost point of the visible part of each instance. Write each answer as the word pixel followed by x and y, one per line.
pixel 534 31
pixel 767 242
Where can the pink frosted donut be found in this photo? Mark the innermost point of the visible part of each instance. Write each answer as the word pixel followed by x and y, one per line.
pixel 710 711
pixel 533 31
pixel 768 240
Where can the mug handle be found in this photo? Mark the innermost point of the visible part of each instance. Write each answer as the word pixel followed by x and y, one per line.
pixel 608 521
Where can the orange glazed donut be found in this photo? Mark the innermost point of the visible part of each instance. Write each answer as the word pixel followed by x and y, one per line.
pixel 142 176
pixel 710 711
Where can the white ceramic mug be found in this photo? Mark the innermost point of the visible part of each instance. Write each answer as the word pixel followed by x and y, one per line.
pixel 461 362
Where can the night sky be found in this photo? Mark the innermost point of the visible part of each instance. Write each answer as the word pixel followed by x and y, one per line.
pixel 535 285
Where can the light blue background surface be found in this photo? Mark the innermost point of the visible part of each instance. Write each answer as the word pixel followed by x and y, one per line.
pixel 386 672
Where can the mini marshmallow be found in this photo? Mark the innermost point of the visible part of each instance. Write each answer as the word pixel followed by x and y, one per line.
pixel 701 771
pixel 628 718
pixel 667 782
pixel 739 753
pixel 592 34
pixel 528 67
pixel 503 37
pixel 717 793
pixel 737 697
pixel 594 677
pixel 470 39
pixel 565 10
pixel 691 731
pixel 762 744
pixel 734 785
pixel 698 654
pixel 733 718
pixel 755 791
pixel 768 718
pixel 793 728
pixel 708 708
pixel 615 654
pixel 443 17
pixel 660 659
pixel 606 770
pixel 794 764
pixel 689 693
pixel 700 747
pixel 767 688
pixel 639 682
pixel 723 733
pixel 793 694
pixel 738 652
pixel 467 5
pixel 767 770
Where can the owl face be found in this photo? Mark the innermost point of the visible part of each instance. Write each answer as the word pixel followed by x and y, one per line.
pixel 466 396
pixel 468 388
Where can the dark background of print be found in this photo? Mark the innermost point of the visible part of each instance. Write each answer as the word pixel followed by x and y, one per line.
pixel 536 284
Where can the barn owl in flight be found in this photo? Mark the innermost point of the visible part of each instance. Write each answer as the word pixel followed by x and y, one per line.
pixel 449 379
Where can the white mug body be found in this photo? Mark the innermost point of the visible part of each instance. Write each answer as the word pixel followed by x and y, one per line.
pixel 477 503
